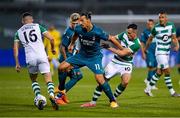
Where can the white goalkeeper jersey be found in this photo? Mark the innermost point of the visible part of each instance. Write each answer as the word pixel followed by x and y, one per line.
pixel 30 36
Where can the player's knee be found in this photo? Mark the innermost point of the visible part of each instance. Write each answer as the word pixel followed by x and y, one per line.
pixel 62 67
pixel 125 83
pixel 166 71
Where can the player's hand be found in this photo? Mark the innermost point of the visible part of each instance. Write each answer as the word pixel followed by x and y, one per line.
pixel 105 45
pixel 70 48
pixel 18 68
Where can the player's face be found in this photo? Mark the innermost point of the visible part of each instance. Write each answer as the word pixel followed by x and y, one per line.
pixel 84 22
pixel 73 25
pixel 27 19
pixel 162 19
pixel 132 34
pixel 150 24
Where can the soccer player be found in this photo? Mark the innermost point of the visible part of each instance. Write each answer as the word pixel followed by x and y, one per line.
pixel 53 59
pixel 30 36
pixel 178 58
pixel 89 54
pixel 164 33
pixel 75 74
pixel 149 57
pixel 121 63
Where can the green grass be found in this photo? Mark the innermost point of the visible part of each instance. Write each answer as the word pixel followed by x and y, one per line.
pixel 16 97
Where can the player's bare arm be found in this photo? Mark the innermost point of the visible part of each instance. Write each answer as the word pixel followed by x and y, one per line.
pixel 48 36
pixel 175 42
pixel 115 41
pixel 16 48
pixel 120 52
pixel 73 40
pixel 123 52
pixel 63 51
pixel 142 50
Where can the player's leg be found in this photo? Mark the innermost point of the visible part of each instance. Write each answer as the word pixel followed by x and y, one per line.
pixel 35 84
pixel 168 82
pixel 75 76
pixel 33 70
pixel 96 66
pixel 110 71
pixel 153 82
pixel 151 64
pixel 44 69
pixel 125 70
pixel 122 86
pixel 72 62
pixel 107 89
pixel 178 62
pixel 161 61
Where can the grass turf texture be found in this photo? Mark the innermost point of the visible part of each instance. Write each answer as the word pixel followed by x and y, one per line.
pixel 16 97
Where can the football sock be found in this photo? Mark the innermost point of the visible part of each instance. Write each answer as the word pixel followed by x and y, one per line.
pixel 179 70
pixel 107 89
pixel 70 84
pixel 74 78
pixel 120 88
pixel 154 79
pixel 169 85
pixel 150 74
pixel 50 87
pixel 62 79
pixel 36 88
pixel 97 93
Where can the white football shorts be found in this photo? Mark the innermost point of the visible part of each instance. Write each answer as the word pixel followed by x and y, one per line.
pixel 163 61
pixel 38 65
pixel 115 67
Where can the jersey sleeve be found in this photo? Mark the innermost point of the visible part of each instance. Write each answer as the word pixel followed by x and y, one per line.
pixel 42 29
pixel 16 37
pixel 173 29
pixel 103 35
pixel 66 38
pixel 135 47
pixel 143 37
pixel 153 32
pixel 119 36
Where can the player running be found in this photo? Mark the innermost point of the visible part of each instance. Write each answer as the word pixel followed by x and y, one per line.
pixel 75 74
pixel 36 59
pixel 89 54
pixel 121 63
pixel 164 33
pixel 149 57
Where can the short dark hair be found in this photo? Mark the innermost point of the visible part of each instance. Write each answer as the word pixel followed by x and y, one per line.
pixel 150 20
pixel 26 14
pixel 87 15
pixel 133 26
pixel 162 12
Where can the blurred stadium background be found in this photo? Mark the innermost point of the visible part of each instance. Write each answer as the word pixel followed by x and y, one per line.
pixel 112 15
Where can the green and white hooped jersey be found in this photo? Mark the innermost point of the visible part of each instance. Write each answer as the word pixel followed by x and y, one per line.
pixel 162 35
pixel 31 39
pixel 134 46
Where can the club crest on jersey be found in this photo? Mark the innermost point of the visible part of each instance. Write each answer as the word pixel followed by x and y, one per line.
pixel 165 37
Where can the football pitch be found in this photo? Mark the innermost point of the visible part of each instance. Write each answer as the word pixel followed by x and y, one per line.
pixel 16 97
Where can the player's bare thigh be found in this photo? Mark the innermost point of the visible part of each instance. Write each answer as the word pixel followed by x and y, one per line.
pixel 65 66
